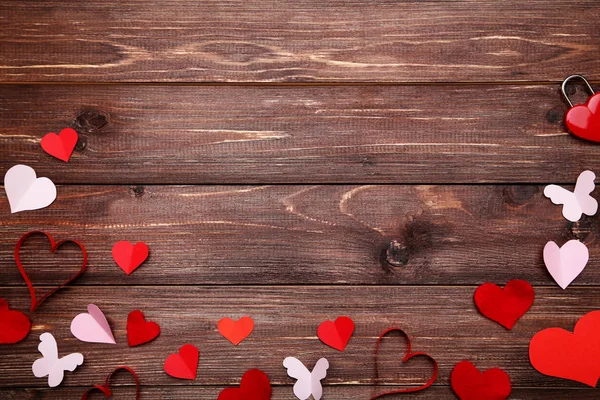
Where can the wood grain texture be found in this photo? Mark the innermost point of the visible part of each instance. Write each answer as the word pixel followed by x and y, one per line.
pixel 355 134
pixel 298 41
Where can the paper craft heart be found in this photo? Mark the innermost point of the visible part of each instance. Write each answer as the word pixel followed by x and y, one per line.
pixel 575 356
pixel 105 389
pixel 409 355
pixel 236 331
pixel 14 325
pixel 92 327
pixel 567 262
pixel 25 191
pixel 504 306
pixel 53 247
pixel 336 334
pixel 184 364
pixel 255 385
pixel 62 145
pixel 140 331
pixel 470 384
pixel 584 120
pixel 128 257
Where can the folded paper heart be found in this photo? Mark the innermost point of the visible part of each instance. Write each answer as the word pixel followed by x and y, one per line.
pixel 25 191
pixel 236 331
pixel 470 384
pixel 105 389
pixel 62 145
pixel 54 246
pixel 407 357
pixel 128 257
pixel 14 325
pixel 504 306
pixel 336 334
pixel 255 385
pixel 584 120
pixel 92 327
pixel 562 354
pixel 184 364
pixel 140 331
pixel 567 262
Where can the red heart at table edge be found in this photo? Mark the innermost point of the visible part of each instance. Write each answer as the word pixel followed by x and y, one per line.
pixel 336 333
pixel 504 306
pixel 140 331
pixel 406 358
pixel 105 389
pixel 14 325
pixel 128 256
pixel 470 384
pixel 184 363
pixel 584 120
pixel 62 145
pixel 236 331
pixel 574 356
pixel 53 247
pixel 255 385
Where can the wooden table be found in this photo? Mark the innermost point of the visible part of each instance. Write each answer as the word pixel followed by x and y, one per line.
pixel 297 160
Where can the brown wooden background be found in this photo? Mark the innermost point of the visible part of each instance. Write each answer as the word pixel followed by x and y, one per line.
pixel 297 160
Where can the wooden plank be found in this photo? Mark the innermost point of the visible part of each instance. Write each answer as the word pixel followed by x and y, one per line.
pixel 440 320
pixel 300 234
pixel 291 41
pixel 355 134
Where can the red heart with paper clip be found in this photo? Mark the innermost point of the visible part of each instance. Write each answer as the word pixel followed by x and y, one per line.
pixel 106 387
pixel 584 120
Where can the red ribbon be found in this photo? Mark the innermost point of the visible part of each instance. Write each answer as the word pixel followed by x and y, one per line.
pixel 106 387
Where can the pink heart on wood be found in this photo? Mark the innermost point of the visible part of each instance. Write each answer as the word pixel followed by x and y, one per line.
pixel 567 262
pixel 92 327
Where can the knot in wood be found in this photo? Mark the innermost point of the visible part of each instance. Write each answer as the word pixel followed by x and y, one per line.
pixel 138 190
pixel 396 254
pixel 90 121
pixel 556 115
pixel 81 143
pixel 519 195
pixel 581 229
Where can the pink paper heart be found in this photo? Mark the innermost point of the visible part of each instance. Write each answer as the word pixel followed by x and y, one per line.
pixel 565 263
pixel 92 327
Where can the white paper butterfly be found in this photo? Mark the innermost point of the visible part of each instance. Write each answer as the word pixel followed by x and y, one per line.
pixel 308 382
pixel 50 364
pixel 577 202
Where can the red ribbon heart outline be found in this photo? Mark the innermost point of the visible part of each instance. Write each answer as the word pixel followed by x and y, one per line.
pixel 106 387
pixel 53 247
pixel 406 358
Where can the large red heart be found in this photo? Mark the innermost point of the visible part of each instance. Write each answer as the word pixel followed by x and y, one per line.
pixel 336 334
pixel 504 306
pixel 62 145
pixel 470 384
pixel 183 364
pixel 406 358
pixel 236 331
pixel 14 325
pixel 575 356
pixel 128 257
pixel 140 331
pixel 106 387
pixel 255 385
pixel 53 247
pixel 584 120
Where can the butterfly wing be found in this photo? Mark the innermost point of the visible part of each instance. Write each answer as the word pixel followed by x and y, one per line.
pixel 318 373
pixel 297 370
pixel 559 195
pixel 583 188
pixel 43 366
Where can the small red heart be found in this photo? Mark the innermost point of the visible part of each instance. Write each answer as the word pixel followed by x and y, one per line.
pixel 183 364
pixel 584 120
pixel 236 331
pixel 336 334
pixel 470 384
pixel 14 325
pixel 140 331
pixel 255 385
pixel 504 306
pixel 128 257
pixel 105 389
pixel 62 145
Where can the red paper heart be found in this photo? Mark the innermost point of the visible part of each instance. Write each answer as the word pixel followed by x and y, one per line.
pixel 236 331
pixel 406 358
pixel 106 387
pixel 14 325
pixel 183 364
pixel 255 385
pixel 128 257
pixel 584 120
pixel 62 145
pixel 560 353
pixel 470 384
pixel 504 306
pixel 53 247
pixel 140 331
pixel 336 334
